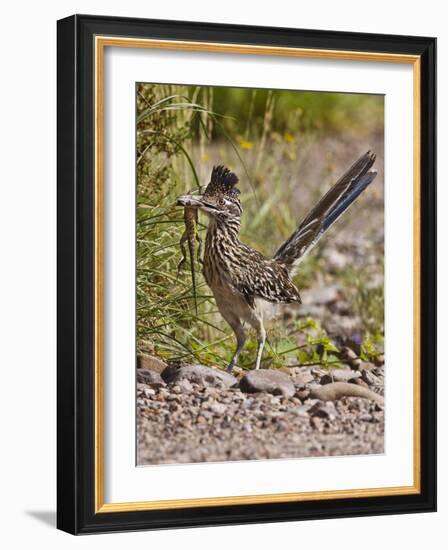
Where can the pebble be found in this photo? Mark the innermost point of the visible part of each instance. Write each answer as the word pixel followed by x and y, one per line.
pixel 321 295
pixel 347 355
pixel 218 408
pixel 356 364
pixel 302 411
pixel 378 371
pixel 185 386
pixel 149 377
pixel 369 378
pixel 301 379
pixel 303 394
pixel 199 374
pixel 336 260
pixel 317 423
pixel 339 375
pixel 150 362
pixel 323 410
pixel 366 366
pixel 267 380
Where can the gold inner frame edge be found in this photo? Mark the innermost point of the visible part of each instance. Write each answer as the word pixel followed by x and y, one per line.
pixel 101 42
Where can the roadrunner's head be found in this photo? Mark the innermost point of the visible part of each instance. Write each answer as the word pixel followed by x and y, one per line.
pixel 220 199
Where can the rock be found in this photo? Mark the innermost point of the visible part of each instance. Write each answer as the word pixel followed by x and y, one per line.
pixel 358 382
pixel 379 360
pixel 318 372
pixel 347 354
pixel 369 378
pixel 295 371
pixel 336 390
pixel 339 375
pixel 267 380
pixel 303 394
pixel 310 310
pixel 296 400
pixel 150 378
pixel 317 423
pixel 150 362
pixel 378 371
pixel 143 389
pixel 366 366
pixel 237 371
pixel 341 325
pixel 355 364
pixel 199 374
pixel 321 295
pixel 335 259
pixel 217 408
pixel 185 386
pixel 302 410
pixel 323 410
pixel 341 307
pixel 302 379
pixel 354 341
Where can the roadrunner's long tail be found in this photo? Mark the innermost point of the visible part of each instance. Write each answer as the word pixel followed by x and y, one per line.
pixel 327 211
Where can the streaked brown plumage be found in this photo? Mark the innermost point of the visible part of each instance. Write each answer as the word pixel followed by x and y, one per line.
pixel 242 280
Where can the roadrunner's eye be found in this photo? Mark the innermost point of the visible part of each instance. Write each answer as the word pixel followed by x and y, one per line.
pixel 221 202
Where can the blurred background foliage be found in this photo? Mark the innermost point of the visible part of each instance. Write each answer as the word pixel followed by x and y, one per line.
pixel 294 111
pixel 287 147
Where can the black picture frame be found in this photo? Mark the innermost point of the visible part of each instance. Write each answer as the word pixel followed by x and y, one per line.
pixel 76 263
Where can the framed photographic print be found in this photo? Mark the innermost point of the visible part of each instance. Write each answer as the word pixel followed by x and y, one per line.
pixel 246 274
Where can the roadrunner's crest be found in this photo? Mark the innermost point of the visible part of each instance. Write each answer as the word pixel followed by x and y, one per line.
pixel 243 280
pixel 222 182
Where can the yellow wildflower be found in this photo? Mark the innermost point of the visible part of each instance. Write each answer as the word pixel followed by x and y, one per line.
pixel 288 137
pixel 244 144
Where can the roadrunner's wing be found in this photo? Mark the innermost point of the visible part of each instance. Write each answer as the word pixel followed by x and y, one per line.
pixel 330 207
pixel 263 278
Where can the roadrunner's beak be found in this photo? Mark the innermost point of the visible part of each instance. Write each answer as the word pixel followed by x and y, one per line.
pixel 196 201
pixel 193 201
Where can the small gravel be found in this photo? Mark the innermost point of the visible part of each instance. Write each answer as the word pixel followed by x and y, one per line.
pixel 187 422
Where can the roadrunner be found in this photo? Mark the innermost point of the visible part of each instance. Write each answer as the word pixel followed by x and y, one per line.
pixel 242 280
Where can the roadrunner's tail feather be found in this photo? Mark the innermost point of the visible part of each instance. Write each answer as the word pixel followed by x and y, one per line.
pixel 330 207
pixel 349 199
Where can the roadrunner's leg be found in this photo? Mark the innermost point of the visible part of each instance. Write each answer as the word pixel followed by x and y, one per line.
pixel 257 324
pixel 261 341
pixel 238 329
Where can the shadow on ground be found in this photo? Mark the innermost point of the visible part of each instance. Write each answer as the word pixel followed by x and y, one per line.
pixel 47 517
